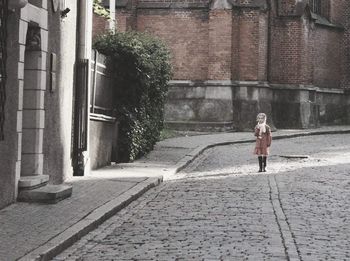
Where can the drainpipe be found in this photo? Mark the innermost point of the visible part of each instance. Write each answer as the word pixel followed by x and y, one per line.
pixel 85 30
pixel 81 160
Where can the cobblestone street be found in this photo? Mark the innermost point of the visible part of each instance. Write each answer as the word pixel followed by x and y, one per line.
pixel 221 208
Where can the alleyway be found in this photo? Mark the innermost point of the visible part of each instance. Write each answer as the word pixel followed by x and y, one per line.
pixel 220 208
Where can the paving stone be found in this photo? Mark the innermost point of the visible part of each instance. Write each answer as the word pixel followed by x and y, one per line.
pixel 220 208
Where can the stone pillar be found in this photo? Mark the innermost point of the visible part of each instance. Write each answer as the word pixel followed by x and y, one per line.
pixel 32 74
pixel 33 113
pixel 251 93
pixel 218 92
pixel 220 44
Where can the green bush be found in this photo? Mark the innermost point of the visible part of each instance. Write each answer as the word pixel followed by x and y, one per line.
pixel 141 65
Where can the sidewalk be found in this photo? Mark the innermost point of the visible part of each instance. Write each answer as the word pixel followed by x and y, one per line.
pixel 39 232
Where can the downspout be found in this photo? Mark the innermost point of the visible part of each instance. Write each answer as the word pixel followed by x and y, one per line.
pixel 85 30
pixel 77 42
pixel 85 48
pixel 81 162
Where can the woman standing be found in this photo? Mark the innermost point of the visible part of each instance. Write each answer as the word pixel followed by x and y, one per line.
pixel 263 140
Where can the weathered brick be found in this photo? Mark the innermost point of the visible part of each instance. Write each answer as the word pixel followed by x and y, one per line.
pixel 254 41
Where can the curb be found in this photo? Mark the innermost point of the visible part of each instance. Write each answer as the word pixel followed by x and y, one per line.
pixel 192 155
pixel 88 223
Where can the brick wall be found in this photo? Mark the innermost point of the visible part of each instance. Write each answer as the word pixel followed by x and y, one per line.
pixel 263 47
pixel 175 1
pixel 100 25
pixel 285 51
pixel 186 33
pixel 249 45
pixel 233 44
pixel 327 59
pixel 126 20
pixel 340 13
pixel 286 7
pixel 304 52
pixel 219 44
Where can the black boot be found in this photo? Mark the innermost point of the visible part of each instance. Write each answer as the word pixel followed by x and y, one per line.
pixel 264 163
pixel 260 163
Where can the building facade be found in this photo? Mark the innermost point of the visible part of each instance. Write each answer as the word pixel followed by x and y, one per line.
pixel 235 58
pixel 47 131
pixel 36 145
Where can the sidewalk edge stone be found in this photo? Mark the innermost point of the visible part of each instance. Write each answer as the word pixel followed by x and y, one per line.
pixel 65 239
pixel 193 154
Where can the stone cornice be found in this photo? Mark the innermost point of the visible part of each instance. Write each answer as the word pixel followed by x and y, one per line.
pixel 255 84
pixel 214 5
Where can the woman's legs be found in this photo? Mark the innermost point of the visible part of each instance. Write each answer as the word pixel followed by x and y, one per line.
pixel 260 163
pixel 264 163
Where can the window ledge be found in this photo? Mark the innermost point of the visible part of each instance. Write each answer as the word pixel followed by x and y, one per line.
pixel 321 20
pixel 102 117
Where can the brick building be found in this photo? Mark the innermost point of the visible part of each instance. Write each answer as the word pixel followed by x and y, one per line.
pixel 235 58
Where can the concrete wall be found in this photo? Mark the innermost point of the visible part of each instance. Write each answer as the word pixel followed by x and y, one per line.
pixel 102 137
pixel 59 109
pixel 205 106
pixel 10 148
pixel 38 117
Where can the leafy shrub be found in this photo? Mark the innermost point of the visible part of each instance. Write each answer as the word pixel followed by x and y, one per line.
pixel 100 10
pixel 141 65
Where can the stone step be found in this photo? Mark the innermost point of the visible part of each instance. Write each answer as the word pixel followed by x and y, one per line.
pixel 47 194
pixel 32 182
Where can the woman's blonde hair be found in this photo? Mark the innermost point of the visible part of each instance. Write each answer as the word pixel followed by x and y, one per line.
pixel 261 115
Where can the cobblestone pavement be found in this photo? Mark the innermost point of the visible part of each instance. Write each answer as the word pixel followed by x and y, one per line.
pixel 220 208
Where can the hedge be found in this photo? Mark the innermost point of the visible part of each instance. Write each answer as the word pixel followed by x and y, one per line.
pixel 141 65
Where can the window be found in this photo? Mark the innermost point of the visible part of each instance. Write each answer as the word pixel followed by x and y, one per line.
pixel 316 6
pixel 320 7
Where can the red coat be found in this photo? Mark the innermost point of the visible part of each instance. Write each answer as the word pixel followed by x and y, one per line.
pixel 264 142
